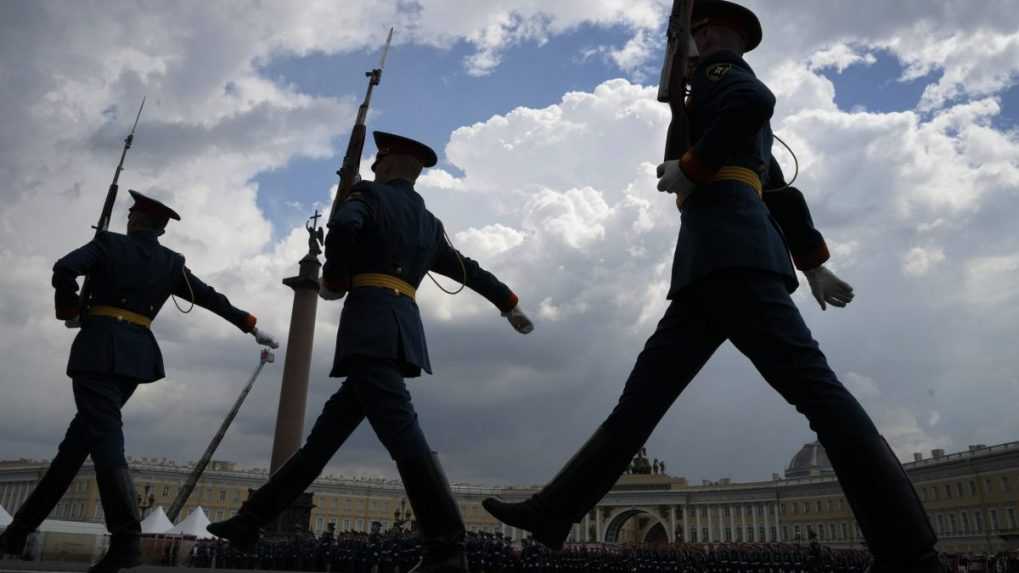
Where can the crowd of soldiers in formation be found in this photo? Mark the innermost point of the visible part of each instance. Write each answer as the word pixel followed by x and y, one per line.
pixel 397 552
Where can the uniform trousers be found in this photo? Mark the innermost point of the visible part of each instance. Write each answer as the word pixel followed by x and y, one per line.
pixel 754 311
pixel 375 389
pixel 96 430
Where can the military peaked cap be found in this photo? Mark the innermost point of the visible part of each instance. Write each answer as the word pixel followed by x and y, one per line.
pixel 152 207
pixel 740 17
pixel 391 143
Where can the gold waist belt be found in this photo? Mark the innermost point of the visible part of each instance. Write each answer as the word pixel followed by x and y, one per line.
pixel 741 174
pixel 385 281
pixel 121 314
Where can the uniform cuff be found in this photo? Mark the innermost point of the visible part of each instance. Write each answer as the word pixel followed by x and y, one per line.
pixel 67 312
pixel 66 305
pixel 248 323
pixel 510 303
pixel 813 259
pixel 335 284
pixel 695 169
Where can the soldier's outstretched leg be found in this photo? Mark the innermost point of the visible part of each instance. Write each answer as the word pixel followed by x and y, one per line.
pixel 383 394
pixel 763 323
pixel 682 343
pixel 70 456
pixel 340 416
pixel 99 401
pixel 438 516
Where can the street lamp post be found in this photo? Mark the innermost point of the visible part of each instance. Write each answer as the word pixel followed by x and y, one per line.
pixel 146 500
pixel 401 515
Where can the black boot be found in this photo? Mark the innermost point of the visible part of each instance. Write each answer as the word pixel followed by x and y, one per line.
pixel 438 517
pixel 550 514
pixel 116 491
pixel 42 500
pixel 529 516
pixel 244 529
pixel 885 504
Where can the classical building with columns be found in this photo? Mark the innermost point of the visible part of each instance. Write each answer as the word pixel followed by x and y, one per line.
pixel 972 497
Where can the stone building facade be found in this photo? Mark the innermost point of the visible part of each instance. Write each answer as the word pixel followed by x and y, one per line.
pixel 972 497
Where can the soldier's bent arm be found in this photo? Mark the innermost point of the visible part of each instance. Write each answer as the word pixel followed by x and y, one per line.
pixel 789 207
pixel 78 262
pixel 191 288
pixel 448 263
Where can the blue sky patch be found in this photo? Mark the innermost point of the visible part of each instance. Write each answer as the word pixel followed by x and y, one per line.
pixel 876 87
pixel 1008 119
pixel 426 93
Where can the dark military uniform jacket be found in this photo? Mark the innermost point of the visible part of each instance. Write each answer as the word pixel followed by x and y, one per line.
pixel 386 229
pixel 135 273
pixel 725 223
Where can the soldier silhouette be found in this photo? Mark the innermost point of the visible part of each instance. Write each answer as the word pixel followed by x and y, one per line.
pixel 731 280
pixel 132 277
pixel 381 243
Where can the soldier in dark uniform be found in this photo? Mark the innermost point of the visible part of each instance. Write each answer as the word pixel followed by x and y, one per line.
pixel 731 280
pixel 132 275
pixel 381 243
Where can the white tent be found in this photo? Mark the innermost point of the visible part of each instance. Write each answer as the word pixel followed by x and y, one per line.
pixel 78 527
pixel 156 522
pixel 194 525
pixel 5 518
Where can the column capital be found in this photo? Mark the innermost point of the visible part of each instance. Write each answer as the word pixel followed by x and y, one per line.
pixel 307 276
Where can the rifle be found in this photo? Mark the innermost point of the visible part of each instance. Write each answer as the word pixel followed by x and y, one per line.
pixel 104 216
pixel 350 167
pixel 672 87
pixel 111 194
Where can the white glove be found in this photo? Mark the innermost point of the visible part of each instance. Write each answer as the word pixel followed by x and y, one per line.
pixel 264 339
pixel 828 288
pixel 329 294
pixel 671 179
pixel 519 320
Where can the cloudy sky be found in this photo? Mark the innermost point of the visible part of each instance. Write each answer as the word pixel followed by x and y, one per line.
pixel 904 118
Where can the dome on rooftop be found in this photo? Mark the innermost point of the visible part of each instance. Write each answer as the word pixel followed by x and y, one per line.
pixel 810 461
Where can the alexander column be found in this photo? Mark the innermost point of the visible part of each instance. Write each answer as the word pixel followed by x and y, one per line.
pixel 296 369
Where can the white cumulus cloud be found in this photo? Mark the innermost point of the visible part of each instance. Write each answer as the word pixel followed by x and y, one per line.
pixel 559 201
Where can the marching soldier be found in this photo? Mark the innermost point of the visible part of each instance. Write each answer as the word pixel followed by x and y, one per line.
pixel 132 275
pixel 731 280
pixel 381 242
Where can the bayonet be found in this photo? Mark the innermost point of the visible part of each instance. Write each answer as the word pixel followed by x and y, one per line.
pixel 385 52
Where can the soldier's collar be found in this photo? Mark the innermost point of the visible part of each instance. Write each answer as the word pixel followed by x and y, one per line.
pixel 722 56
pixel 145 235
pixel 399 183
